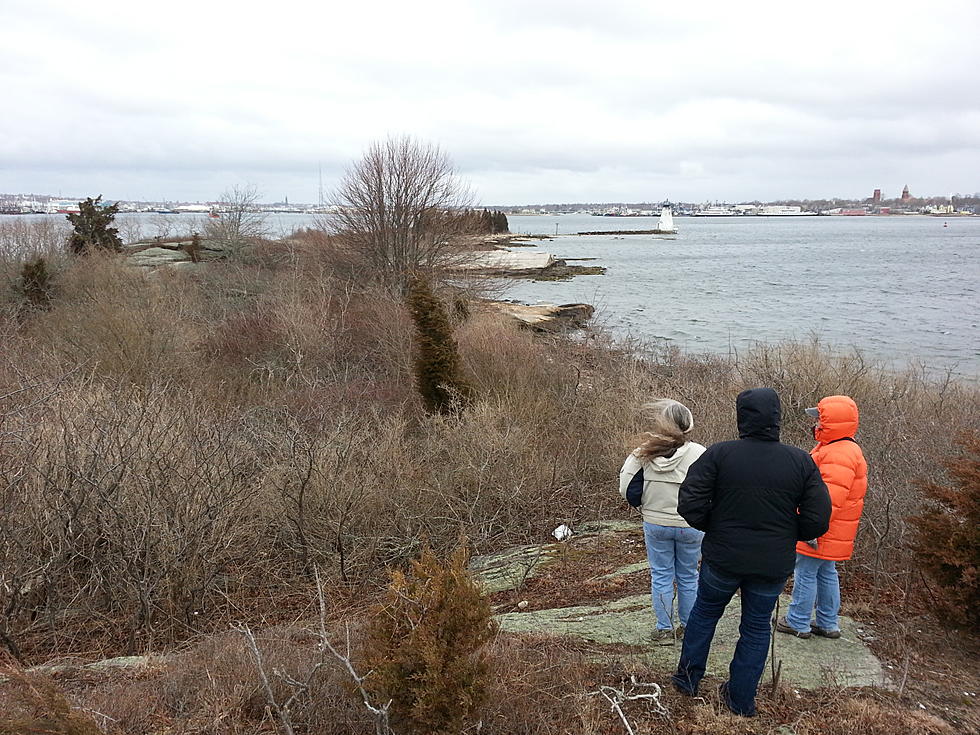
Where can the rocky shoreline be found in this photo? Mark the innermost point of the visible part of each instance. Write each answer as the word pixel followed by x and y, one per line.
pixel 489 256
pixel 544 317
pixel 494 262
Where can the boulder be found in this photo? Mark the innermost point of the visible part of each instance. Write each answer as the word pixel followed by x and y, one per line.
pixel 174 253
pixel 156 256
pixel 504 262
pixel 73 668
pixel 545 317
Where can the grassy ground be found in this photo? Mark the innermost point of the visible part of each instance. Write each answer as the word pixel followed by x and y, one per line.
pixel 178 451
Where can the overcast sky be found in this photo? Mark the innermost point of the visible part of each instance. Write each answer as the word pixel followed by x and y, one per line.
pixel 536 101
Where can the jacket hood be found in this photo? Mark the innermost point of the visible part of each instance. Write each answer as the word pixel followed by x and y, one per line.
pixel 669 464
pixel 758 413
pixel 838 419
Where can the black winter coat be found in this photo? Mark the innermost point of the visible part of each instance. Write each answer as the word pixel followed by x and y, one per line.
pixel 754 497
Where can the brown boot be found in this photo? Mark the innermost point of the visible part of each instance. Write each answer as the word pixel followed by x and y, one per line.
pixel 783 627
pixel 824 632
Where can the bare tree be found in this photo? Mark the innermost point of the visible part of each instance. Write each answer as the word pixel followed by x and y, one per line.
pixel 401 207
pixel 240 219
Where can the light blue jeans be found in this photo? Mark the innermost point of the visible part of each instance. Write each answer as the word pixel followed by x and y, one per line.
pixel 673 553
pixel 815 582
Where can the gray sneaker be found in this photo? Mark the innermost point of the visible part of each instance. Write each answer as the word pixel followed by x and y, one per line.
pixel 824 632
pixel 783 627
pixel 662 636
pixel 680 632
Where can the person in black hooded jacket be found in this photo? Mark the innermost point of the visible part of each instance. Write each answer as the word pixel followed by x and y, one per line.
pixel 754 498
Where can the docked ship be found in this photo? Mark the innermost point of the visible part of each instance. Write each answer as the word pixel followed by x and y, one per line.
pixel 717 210
pixel 62 206
pixel 779 210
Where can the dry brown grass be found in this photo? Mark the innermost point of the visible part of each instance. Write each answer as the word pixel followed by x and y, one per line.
pixel 540 686
pixel 177 450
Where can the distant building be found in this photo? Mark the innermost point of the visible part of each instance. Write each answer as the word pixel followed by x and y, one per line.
pixel 876 197
pixel 905 194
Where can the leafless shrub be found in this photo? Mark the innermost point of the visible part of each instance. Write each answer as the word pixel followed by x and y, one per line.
pixel 132 505
pixel 22 239
pixel 240 221
pixel 130 227
pixel 400 207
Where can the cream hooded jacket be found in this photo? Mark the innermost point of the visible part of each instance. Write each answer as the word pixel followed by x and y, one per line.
pixel 652 485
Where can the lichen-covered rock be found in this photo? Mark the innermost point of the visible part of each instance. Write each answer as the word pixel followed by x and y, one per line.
pixel 153 257
pixel 623 626
pixel 173 254
pixel 509 569
pixel 102 666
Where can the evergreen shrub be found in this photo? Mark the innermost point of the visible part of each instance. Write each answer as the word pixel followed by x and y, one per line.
pixel 438 373
pixel 426 646
pixel 948 535
pixel 93 230
pixel 35 284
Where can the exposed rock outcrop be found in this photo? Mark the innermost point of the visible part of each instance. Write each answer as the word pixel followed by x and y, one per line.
pixel 504 262
pixel 545 317
pixel 565 589
pixel 176 253
pixel 525 264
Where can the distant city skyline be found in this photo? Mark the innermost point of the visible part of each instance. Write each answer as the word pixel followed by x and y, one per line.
pixel 545 101
pixel 878 195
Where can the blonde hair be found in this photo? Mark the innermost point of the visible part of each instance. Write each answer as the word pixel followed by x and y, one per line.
pixel 669 420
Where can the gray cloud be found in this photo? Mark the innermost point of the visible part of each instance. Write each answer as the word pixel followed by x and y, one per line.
pixel 544 101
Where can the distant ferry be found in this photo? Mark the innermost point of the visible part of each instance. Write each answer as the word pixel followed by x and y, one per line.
pixel 62 206
pixel 717 210
pixel 778 210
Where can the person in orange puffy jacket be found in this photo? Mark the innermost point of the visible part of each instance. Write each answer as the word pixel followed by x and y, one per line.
pixel 845 472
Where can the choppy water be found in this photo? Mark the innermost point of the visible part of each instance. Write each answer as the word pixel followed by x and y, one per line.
pixel 898 288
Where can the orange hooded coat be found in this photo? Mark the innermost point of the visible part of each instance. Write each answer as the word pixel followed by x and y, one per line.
pixel 845 472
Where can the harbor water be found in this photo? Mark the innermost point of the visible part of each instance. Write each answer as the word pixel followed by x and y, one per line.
pixel 903 289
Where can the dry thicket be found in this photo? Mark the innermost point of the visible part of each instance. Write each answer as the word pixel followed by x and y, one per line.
pixel 180 450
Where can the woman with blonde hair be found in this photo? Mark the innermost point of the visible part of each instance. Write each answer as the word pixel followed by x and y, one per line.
pixel 649 481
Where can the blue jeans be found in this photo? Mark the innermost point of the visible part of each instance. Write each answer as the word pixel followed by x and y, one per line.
pixel 814 581
pixel 673 553
pixel 715 591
